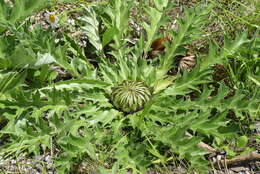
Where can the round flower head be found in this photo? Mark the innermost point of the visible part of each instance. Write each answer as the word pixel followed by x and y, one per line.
pixel 52 19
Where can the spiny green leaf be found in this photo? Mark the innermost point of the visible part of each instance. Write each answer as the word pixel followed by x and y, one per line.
pixel 77 84
pixel 11 80
pixel 91 28
pixel 108 35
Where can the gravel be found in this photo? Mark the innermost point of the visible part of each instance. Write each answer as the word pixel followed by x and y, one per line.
pixel 23 164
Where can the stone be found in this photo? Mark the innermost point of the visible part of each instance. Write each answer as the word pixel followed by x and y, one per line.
pixel 239 169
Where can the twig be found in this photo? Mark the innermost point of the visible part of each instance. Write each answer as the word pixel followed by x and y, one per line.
pixel 252 156
pixel 226 167
pixel 203 145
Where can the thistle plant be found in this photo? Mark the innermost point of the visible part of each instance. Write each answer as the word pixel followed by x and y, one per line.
pixel 126 111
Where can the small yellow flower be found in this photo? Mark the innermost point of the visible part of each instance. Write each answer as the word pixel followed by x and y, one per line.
pixel 52 19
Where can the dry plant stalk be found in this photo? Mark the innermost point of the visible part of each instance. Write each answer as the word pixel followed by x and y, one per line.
pixel 252 156
pixel 203 145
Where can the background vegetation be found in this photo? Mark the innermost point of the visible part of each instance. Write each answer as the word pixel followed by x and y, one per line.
pixel 93 88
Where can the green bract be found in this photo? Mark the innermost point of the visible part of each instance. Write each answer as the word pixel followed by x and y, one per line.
pixel 130 96
pixel 83 102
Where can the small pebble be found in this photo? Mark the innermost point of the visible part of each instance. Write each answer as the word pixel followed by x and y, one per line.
pixel 214 160
pixel 231 172
pixel 47 158
pixel 219 157
pixel 13 161
pixel 28 162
